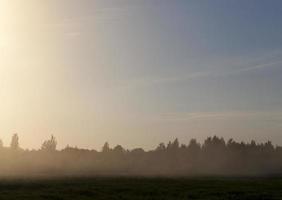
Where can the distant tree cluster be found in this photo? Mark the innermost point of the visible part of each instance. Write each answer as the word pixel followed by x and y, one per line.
pixel 214 157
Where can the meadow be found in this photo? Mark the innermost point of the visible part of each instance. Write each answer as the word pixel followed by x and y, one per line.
pixel 131 188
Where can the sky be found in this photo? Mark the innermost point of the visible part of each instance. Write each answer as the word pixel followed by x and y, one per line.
pixel 140 72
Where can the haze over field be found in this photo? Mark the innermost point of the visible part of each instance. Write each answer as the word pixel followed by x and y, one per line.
pixel 137 73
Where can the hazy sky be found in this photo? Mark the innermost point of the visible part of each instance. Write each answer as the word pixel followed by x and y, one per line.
pixel 140 72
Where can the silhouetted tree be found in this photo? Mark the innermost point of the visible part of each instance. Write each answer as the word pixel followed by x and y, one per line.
pixel 214 156
pixel 15 142
pixel 161 147
pixel 213 144
pixel 268 147
pixel 49 145
pixel 169 145
pixel 119 149
pixel 175 144
pixel 194 146
pixel 106 148
pixel 137 151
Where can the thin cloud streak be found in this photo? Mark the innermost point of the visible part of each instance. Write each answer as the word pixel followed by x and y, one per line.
pixel 255 115
pixel 264 63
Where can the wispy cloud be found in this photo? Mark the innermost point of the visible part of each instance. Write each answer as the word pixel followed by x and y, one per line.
pixel 228 115
pixel 269 60
pixel 163 80
pixel 273 59
pixel 260 66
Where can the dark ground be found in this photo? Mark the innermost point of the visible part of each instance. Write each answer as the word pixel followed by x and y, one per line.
pixel 141 188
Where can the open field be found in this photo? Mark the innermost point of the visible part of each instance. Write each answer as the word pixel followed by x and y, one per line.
pixel 141 188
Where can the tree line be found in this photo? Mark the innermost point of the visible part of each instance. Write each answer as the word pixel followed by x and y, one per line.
pixel 214 156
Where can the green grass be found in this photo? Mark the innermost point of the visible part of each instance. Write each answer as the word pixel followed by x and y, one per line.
pixel 142 188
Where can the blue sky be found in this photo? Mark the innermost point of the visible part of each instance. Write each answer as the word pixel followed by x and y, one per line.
pixel 141 72
pixel 182 51
pixel 190 56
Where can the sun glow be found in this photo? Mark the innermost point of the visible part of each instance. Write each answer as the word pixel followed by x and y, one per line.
pixel 28 57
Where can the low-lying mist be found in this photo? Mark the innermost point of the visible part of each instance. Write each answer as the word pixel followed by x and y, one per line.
pixel 214 157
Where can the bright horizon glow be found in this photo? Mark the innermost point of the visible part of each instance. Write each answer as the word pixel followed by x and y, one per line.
pixel 129 73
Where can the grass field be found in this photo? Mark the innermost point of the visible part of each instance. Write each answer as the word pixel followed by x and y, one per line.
pixel 142 188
